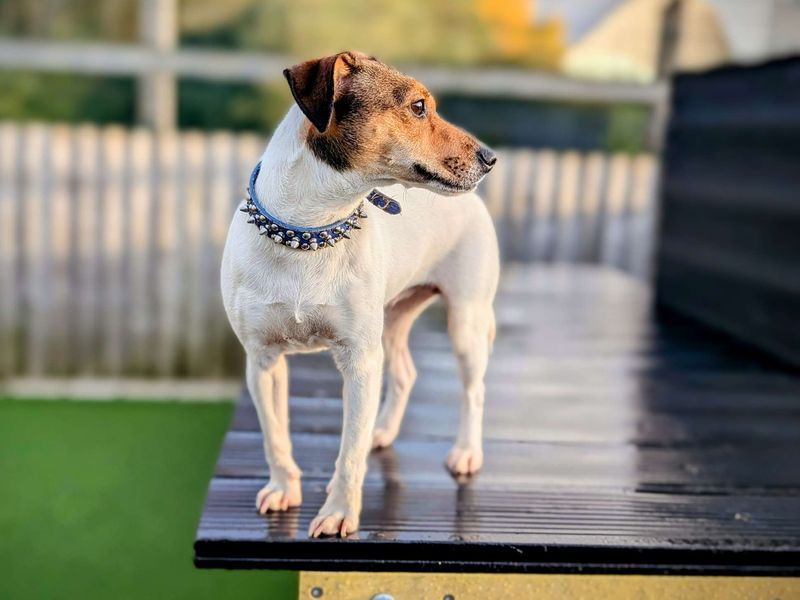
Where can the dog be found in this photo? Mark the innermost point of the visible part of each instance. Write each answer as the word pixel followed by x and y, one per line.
pixel 311 266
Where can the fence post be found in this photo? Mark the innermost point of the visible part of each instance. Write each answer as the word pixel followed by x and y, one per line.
pixel 157 93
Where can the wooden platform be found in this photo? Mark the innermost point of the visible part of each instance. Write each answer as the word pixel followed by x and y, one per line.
pixel 615 442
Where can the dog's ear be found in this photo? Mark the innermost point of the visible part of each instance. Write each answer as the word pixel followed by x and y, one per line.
pixel 314 82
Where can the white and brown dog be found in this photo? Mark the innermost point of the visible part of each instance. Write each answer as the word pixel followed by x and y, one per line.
pixel 294 283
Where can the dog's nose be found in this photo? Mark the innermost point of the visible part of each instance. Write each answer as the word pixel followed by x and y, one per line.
pixel 487 158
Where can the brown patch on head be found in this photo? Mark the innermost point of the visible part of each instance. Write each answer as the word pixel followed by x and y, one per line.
pixel 366 116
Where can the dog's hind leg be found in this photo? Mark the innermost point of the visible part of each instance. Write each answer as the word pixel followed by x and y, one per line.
pixel 401 374
pixel 267 382
pixel 471 328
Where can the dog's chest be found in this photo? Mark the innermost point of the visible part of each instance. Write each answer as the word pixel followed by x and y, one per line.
pixel 288 306
pixel 289 327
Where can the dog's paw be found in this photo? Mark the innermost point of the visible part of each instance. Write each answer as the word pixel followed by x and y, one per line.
pixel 333 521
pixel 279 496
pixel 382 438
pixel 464 461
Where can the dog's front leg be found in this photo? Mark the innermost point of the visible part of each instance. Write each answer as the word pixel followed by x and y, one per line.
pixel 362 372
pixel 267 382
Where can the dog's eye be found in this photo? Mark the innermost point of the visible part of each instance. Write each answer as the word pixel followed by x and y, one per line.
pixel 418 108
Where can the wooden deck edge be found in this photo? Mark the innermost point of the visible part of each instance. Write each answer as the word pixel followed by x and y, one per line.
pixel 444 559
pixel 357 586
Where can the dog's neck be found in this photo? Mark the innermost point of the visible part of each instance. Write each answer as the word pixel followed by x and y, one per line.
pixel 298 188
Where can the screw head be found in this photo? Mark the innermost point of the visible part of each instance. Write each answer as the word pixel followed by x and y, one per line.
pixel 449 597
pixel 383 596
pixel 316 592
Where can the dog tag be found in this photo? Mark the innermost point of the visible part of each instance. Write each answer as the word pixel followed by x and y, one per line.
pixel 383 202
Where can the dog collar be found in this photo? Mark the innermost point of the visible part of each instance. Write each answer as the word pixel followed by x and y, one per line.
pixel 309 238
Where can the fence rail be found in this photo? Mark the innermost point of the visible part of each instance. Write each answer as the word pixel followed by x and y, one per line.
pixel 110 239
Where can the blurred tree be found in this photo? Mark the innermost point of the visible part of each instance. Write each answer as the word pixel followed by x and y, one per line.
pixel 240 107
pixel 70 19
pixel 62 97
pixel 450 32
pixel 242 24
pixel 626 129
pixel 206 15
pixel 446 31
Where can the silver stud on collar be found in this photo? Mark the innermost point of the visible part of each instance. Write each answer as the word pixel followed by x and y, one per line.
pixel 311 240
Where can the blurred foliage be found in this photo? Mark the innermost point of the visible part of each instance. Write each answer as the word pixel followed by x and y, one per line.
pixel 451 32
pixel 626 129
pixel 70 19
pixel 63 97
pixel 239 107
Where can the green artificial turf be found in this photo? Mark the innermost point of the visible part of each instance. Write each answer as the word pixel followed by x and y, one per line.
pixel 101 500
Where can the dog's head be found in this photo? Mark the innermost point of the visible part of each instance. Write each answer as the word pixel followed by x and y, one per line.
pixel 369 117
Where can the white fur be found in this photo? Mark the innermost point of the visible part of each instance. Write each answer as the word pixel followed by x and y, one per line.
pixel 358 300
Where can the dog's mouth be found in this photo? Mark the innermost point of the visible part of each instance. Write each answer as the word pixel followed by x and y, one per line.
pixel 443 184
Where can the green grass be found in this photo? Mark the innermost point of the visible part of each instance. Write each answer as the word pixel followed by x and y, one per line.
pixel 101 500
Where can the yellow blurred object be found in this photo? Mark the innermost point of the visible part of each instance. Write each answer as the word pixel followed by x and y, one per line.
pixel 517 38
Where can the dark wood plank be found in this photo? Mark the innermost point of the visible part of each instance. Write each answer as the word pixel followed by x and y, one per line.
pixel 722 468
pixel 546 415
pixel 616 441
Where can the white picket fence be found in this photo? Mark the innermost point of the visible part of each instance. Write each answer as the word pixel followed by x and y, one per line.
pixel 110 240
